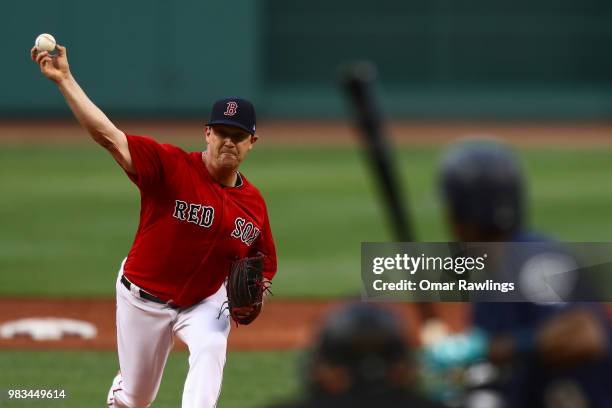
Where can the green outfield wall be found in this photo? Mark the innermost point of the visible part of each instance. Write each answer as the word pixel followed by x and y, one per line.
pixel 436 58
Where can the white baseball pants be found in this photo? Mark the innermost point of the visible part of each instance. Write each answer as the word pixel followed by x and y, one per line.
pixel 145 332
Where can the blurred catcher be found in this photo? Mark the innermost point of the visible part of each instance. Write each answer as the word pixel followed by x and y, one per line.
pixel 200 219
pixel 360 359
pixel 549 354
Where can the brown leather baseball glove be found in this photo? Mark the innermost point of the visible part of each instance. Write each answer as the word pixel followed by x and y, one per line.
pixel 246 287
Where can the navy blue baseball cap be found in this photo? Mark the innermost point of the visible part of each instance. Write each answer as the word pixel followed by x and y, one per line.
pixel 233 112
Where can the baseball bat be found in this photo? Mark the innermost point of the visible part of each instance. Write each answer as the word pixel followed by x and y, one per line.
pixel 358 82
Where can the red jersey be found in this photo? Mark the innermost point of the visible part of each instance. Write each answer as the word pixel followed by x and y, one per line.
pixel 191 227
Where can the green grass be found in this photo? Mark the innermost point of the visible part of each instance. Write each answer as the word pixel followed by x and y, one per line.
pixel 86 378
pixel 68 213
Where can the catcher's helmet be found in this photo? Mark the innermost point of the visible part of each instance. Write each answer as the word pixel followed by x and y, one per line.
pixel 482 183
pixel 366 340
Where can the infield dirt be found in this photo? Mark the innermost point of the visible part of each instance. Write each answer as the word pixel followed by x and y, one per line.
pixel 283 324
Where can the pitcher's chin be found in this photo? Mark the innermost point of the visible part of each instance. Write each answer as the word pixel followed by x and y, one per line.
pixel 229 162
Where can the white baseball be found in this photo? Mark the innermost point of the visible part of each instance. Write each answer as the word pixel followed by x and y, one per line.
pixel 45 42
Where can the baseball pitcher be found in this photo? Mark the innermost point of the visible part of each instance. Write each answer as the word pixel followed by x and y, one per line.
pixel 200 221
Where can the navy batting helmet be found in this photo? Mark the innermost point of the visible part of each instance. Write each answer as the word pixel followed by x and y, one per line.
pixel 482 183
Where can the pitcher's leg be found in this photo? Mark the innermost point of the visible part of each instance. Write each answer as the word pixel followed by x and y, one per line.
pixel 205 333
pixel 144 340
